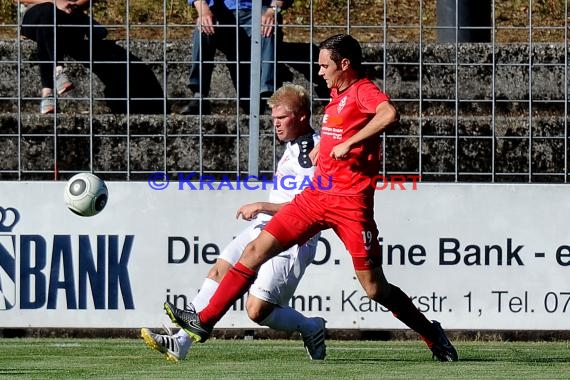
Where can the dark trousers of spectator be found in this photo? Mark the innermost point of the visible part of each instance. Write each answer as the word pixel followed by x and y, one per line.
pixel 233 39
pixel 67 36
pixel 121 73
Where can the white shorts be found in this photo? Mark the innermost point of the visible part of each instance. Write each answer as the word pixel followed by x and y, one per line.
pixel 278 278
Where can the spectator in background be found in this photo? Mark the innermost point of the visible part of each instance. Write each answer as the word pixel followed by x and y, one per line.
pixel 226 26
pixel 71 28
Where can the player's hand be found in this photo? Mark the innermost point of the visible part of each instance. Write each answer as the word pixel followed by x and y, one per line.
pixel 314 154
pixel 248 211
pixel 340 152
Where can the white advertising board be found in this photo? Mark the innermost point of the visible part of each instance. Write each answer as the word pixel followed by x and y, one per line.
pixel 472 256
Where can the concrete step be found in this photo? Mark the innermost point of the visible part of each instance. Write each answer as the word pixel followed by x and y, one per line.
pixel 543 126
pixel 141 144
pixel 157 75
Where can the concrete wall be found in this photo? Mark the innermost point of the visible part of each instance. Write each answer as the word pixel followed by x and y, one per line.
pixel 492 136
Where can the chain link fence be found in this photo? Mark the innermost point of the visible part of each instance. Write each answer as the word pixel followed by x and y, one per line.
pixel 481 98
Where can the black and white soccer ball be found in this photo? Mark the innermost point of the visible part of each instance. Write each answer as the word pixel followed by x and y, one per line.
pixel 86 194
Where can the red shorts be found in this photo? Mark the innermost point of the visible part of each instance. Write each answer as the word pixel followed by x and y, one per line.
pixel 350 217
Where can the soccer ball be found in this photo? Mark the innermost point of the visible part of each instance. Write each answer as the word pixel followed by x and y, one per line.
pixel 86 194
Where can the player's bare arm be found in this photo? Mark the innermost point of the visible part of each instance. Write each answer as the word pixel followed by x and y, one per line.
pixel 251 210
pixel 386 115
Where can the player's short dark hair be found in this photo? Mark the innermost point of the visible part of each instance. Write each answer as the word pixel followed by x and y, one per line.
pixel 344 46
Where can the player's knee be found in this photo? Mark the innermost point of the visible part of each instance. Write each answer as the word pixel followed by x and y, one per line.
pixel 375 291
pixel 216 274
pixel 219 270
pixel 261 249
pixel 372 292
pixel 258 310
pixel 255 314
pixel 374 283
pixel 253 256
pixel 252 250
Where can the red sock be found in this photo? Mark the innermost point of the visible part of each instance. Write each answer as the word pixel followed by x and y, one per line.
pixel 234 285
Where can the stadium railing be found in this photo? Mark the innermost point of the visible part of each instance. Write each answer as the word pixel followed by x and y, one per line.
pixel 493 111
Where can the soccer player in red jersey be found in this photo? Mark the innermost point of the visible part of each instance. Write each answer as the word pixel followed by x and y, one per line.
pixel 349 157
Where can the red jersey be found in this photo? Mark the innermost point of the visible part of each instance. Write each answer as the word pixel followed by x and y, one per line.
pixel 346 114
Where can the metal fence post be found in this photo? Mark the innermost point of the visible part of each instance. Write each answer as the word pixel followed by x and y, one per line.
pixel 253 161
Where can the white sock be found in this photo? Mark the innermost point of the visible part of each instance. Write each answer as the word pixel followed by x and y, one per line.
pixel 287 319
pixel 206 292
pixel 183 338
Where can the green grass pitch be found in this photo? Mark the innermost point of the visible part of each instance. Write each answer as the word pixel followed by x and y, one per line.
pixel 44 358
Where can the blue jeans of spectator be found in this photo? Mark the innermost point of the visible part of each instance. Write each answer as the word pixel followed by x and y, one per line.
pixel 235 43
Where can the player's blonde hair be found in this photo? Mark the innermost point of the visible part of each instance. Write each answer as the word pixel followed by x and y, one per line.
pixel 292 96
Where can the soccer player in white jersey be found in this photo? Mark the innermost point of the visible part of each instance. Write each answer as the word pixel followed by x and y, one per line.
pixel 277 280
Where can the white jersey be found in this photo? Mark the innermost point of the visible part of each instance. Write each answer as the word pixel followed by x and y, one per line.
pixel 294 169
pixel 278 278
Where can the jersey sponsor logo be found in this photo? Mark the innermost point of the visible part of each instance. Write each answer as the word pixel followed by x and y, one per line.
pixel 331 121
pixel 334 133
